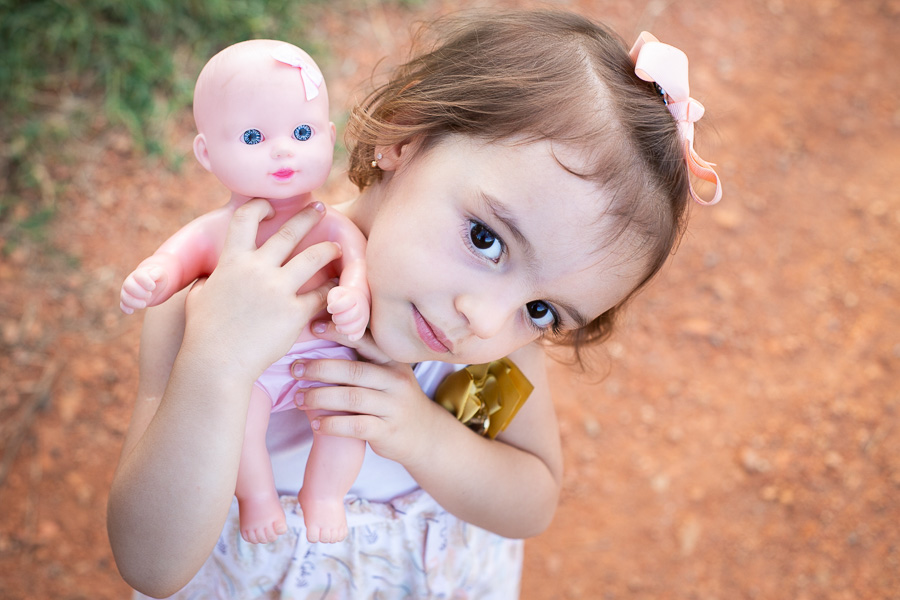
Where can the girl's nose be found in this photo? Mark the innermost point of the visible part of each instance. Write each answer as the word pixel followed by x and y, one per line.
pixel 486 313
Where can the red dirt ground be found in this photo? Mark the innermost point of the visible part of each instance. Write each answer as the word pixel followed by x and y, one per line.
pixel 739 436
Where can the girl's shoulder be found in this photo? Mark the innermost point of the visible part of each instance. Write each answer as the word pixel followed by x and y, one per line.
pixel 532 361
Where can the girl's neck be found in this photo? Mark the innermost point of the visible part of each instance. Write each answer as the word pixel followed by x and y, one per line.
pixel 362 209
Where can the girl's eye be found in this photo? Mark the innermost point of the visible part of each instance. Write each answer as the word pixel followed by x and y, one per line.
pixel 485 241
pixel 302 133
pixel 252 136
pixel 541 314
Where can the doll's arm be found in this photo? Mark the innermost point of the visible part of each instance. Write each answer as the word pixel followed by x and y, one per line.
pixel 191 252
pixel 349 302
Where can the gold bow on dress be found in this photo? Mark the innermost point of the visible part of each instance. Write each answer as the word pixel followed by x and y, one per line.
pixel 485 397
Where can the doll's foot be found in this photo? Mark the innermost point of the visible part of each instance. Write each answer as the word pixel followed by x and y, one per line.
pixel 325 519
pixel 262 519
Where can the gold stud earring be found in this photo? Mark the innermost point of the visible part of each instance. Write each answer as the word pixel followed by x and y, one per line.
pixel 375 162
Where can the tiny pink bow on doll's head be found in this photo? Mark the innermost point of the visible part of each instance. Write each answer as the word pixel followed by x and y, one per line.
pixel 667 67
pixel 310 75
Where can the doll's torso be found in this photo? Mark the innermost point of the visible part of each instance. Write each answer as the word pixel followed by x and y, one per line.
pixel 326 230
pixel 208 232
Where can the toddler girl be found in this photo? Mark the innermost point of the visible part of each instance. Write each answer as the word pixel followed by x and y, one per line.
pixel 518 184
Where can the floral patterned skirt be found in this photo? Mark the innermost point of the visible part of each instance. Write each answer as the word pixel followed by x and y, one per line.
pixel 407 548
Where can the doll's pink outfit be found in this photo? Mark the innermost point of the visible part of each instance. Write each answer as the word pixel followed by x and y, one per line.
pixel 277 381
pixel 401 543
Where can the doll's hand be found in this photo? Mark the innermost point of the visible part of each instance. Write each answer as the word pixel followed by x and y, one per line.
pixel 349 309
pixel 389 409
pixel 139 287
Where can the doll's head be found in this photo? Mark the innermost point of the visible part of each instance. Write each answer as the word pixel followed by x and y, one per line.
pixel 522 77
pixel 261 110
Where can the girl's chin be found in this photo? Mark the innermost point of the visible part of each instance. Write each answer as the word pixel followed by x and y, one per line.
pixel 398 350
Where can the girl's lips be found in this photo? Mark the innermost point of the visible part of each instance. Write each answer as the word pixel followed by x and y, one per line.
pixel 433 337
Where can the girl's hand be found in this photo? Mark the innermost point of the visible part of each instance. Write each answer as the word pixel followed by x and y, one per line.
pixel 388 408
pixel 509 485
pixel 248 312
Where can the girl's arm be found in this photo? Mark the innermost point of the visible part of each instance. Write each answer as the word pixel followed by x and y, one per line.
pixel 509 486
pixel 175 479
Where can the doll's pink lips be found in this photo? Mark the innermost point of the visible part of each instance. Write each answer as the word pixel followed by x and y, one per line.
pixel 283 174
pixel 433 337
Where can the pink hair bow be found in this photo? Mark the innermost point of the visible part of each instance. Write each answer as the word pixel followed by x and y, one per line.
pixel 310 76
pixel 667 66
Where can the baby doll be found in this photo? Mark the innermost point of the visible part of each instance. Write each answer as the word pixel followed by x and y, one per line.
pixel 261 110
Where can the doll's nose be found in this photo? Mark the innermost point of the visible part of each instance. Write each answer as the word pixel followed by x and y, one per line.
pixel 281 150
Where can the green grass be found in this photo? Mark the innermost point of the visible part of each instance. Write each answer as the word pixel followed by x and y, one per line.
pixel 63 63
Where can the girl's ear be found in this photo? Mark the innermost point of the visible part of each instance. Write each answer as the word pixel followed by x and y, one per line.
pixel 201 152
pixel 389 158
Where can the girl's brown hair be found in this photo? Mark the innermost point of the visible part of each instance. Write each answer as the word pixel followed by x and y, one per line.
pixel 539 75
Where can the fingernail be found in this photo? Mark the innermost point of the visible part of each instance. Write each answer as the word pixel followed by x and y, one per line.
pixel 315 424
pixel 320 327
pixel 298 399
pixel 318 206
pixel 298 368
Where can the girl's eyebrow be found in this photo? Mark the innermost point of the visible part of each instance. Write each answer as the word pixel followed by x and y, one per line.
pixel 503 214
pixel 579 318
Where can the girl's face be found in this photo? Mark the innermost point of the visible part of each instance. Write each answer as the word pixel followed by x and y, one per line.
pixel 477 249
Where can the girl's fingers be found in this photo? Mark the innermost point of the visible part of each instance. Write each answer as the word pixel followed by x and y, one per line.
pixel 199 283
pixel 244 225
pixel 310 261
pixel 281 243
pixel 364 346
pixel 313 301
pixel 361 427
pixel 340 399
pixel 342 372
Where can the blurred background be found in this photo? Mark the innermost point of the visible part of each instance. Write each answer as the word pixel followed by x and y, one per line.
pixel 737 438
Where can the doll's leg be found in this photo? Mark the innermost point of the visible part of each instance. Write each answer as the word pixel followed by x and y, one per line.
pixel 333 465
pixel 262 518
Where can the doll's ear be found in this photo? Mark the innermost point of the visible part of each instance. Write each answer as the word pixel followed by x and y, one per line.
pixel 333 133
pixel 201 152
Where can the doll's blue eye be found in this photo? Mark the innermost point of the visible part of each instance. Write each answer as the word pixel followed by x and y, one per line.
pixel 252 136
pixel 302 133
